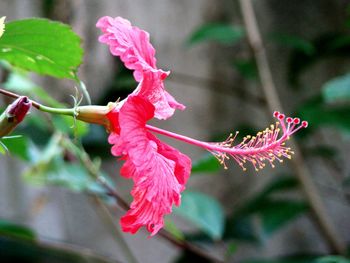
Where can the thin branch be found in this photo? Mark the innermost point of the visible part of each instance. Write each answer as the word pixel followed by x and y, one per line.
pixel 311 193
pixel 16 96
pixel 108 218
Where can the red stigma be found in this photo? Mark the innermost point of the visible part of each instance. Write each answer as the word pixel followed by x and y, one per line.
pixel 304 124
pixel 296 120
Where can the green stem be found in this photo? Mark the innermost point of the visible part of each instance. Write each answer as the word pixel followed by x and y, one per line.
pixel 91 113
pixel 69 112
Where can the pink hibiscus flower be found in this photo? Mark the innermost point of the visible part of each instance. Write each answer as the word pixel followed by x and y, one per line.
pixel 160 172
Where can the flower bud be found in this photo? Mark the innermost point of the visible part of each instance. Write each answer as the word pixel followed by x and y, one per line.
pixel 13 115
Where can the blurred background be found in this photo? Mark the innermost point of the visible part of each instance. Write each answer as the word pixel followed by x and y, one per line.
pixel 216 71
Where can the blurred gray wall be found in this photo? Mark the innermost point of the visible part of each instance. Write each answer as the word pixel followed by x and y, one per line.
pixel 197 75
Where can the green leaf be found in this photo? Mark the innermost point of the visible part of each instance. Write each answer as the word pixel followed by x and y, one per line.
pixel 50 168
pixel 58 173
pixel 3 148
pixel 42 46
pixel 247 68
pixel 174 230
pixel 207 164
pixel 337 90
pixel 273 212
pixel 204 211
pixel 276 213
pixel 222 33
pixel 231 249
pixel 16 231
pixel 288 259
pixel 318 113
pixel 35 129
pixel 24 251
pixel 340 42
pixel 294 42
pixel 67 124
pixel 17 145
pixel 241 228
pixel 327 45
pixel 332 259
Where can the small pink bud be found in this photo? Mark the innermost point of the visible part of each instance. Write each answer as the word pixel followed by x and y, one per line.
pixel 18 109
pixel 13 115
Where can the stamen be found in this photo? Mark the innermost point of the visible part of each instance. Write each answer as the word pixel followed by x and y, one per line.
pixel 266 146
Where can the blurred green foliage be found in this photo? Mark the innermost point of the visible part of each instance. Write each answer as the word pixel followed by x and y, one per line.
pixel 222 33
pixel 271 210
pixel 52 162
pixel 19 244
pixel 204 211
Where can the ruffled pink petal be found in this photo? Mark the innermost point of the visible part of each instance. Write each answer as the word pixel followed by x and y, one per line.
pixel 133 47
pixel 159 171
pixel 182 162
pixel 130 43
pixel 152 88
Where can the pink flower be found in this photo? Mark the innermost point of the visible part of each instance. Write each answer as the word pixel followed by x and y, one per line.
pixel 159 171
pixel 132 45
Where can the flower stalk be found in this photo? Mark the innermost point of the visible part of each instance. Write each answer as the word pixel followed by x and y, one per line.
pixel 91 114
